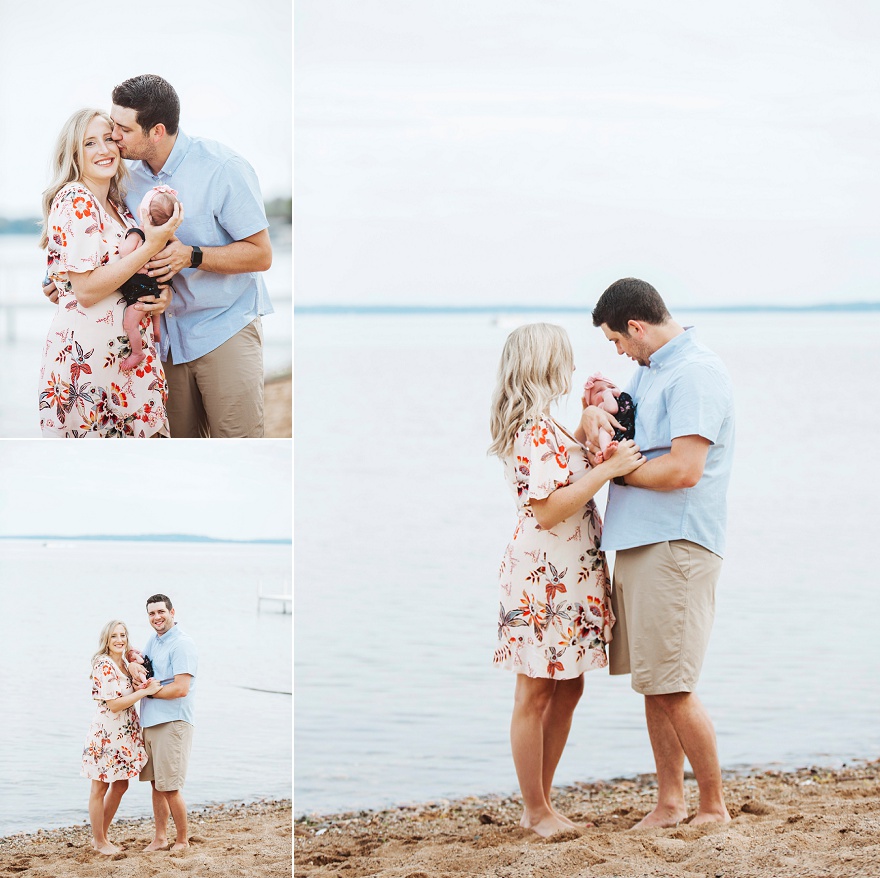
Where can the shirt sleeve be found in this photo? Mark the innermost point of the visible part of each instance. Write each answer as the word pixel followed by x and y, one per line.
pixel 75 231
pixel 698 403
pixel 242 213
pixel 106 682
pixel 540 449
pixel 184 658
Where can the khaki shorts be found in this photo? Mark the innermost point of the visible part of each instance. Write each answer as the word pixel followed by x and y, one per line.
pixel 168 746
pixel 664 600
pixel 221 393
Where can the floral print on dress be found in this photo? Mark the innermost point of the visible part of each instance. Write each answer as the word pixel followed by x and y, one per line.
pixel 114 748
pixel 555 611
pixel 83 392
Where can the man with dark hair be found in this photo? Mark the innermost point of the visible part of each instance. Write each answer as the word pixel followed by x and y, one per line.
pixel 167 720
pixel 212 340
pixel 666 521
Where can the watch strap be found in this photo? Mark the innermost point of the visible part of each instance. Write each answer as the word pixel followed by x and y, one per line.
pixel 196 258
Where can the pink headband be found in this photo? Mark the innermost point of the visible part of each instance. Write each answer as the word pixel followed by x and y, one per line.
pixel 591 381
pixel 148 198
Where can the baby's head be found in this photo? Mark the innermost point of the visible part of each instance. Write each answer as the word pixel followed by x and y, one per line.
pixel 159 203
pixel 594 387
pixel 134 656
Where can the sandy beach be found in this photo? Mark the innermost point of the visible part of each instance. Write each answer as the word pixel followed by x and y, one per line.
pixel 278 402
pixel 226 841
pixel 810 822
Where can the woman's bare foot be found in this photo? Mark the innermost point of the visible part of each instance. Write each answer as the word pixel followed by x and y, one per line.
pixel 105 848
pixel 156 845
pixel 710 817
pixel 662 818
pixel 545 826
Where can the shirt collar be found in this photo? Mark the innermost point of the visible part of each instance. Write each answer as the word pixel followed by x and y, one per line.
pixel 664 354
pixel 167 634
pixel 175 157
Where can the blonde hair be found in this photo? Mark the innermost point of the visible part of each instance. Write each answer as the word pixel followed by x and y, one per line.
pixel 104 639
pixel 535 371
pixel 67 164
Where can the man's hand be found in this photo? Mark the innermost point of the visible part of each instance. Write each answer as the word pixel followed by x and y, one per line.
pixel 154 305
pixel 166 263
pixel 51 292
pixel 594 419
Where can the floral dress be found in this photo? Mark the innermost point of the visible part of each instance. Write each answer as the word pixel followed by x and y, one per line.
pixel 83 391
pixel 555 616
pixel 114 748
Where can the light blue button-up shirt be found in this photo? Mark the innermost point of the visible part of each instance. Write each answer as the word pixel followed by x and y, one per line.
pixel 222 203
pixel 685 391
pixel 172 653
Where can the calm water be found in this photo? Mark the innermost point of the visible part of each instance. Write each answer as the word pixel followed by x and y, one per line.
pixel 23 327
pixel 401 520
pixel 56 599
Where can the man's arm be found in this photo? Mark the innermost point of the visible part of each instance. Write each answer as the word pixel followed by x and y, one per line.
pixel 178 689
pixel 681 468
pixel 253 253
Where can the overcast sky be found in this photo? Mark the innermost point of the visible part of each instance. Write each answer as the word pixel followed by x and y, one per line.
pixel 530 151
pixel 230 63
pixel 224 489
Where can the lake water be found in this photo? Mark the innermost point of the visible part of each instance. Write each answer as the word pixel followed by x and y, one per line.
pixel 401 520
pixel 57 596
pixel 23 327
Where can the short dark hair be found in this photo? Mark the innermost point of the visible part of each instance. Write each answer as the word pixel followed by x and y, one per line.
pixel 630 299
pixel 158 598
pixel 154 100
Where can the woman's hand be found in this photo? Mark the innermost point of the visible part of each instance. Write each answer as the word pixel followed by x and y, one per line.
pixel 626 458
pixel 152 306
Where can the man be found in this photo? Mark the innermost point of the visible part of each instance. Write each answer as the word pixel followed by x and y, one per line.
pixel 666 521
pixel 167 720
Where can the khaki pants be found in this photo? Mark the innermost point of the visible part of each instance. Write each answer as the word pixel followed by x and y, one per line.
pixel 221 393
pixel 664 600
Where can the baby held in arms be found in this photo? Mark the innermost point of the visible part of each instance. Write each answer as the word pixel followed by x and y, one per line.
pixel 600 392
pixel 140 667
pixel 159 204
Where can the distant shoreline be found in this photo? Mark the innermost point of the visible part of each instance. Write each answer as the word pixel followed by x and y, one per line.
pixel 143 538
pixel 574 309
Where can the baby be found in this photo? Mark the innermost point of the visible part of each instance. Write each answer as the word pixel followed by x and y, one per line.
pixel 159 203
pixel 141 668
pixel 599 391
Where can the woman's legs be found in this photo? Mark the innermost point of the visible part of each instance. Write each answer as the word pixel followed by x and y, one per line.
pixel 111 802
pixel 96 816
pixel 532 698
pixel 557 724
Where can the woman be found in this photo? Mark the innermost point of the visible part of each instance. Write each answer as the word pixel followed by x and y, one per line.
pixel 555 608
pixel 114 749
pixel 83 389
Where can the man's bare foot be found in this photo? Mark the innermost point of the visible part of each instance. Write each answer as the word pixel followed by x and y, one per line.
pixel 180 846
pixel 710 817
pixel 106 848
pixel 662 818
pixel 546 826
pixel 156 845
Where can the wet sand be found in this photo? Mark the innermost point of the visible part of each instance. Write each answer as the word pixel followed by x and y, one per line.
pixel 225 841
pixel 811 822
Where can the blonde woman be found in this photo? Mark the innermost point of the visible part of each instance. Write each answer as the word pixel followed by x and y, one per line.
pixel 84 391
pixel 114 749
pixel 555 616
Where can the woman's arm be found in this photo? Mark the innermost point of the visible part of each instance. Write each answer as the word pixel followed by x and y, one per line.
pixel 118 704
pixel 564 502
pixel 90 287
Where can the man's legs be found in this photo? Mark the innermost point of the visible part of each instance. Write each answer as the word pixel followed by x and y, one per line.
pixel 161 810
pixel 186 414
pixel 679 726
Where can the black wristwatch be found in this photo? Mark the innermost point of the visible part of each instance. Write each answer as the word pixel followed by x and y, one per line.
pixel 620 480
pixel 196 259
